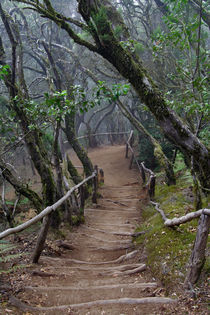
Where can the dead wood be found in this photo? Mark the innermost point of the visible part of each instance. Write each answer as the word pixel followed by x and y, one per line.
pixel 46 211
pixel 129 301
pixel 159 210
pixel 177 221
pixel 186 218
pixel 102 287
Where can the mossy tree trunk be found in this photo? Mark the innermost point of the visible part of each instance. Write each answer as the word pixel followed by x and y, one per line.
pixel 98 15
pixel 71 137
pixel 21 188
pixel 33 138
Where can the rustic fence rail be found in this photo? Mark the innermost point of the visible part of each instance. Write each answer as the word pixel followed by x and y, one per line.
pixel 104 134
pixel 197 257
pixel 57 204
pixel 145 172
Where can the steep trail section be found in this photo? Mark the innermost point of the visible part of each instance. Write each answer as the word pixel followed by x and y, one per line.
pixel 104 273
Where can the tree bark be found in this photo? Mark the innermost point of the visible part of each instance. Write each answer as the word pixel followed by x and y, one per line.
pixel 131 68
pixel 20 187
pixel 82 155
pixel 41 239
pixel 197 258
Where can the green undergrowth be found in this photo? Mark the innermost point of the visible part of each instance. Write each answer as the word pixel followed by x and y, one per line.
pixel 168 249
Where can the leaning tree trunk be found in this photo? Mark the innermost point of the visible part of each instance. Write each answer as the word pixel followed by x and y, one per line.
pixel 71 137
pixel 131 68
pixel 21 188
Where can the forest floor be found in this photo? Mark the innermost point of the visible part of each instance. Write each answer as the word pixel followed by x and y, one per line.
pixel 100 270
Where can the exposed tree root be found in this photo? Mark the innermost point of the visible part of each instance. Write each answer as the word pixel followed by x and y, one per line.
pixel 136 234
pixel 124 270
pixel 114 248
pixel 129 210
pixel 112 233
pixel 105 270
pixel 116 202
pixel 118 260
pixel 115 225
pixel 107 241
pixel 65 245
pixel 42 274
pixel 102 287
pixel 129 301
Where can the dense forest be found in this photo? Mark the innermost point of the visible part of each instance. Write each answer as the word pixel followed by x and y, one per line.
pixel 77 75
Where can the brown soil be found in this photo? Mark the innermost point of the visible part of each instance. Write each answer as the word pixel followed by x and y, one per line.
pixel 91 272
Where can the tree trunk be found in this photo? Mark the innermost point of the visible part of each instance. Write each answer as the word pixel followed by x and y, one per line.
pixel 20 187
pixel 73 171
pixel 130 67
pixel 82 155
pixel 197 258
pixel 41 239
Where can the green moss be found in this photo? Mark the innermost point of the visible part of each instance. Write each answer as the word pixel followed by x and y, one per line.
pixel 77 220
pixel 169 249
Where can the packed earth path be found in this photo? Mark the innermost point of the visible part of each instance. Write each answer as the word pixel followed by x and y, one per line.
pixel 104 273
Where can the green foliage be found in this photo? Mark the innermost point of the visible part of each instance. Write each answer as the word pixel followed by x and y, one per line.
pixel 185 42
pixel 146 149
pixel 57 105
pixel 169 249
pixel 24 201
pixel 100 18
pixel 4 71
pixel 132 46
pixel 102 92
pixel 118 31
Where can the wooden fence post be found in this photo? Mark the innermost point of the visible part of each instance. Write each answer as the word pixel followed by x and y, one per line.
pixel 41 238
pixel 131 161
pixel 143 174
pixel 126 151
pixel 82 199
pixel 152 187
pixel 197 257
pixel 95 185
pixel 101 176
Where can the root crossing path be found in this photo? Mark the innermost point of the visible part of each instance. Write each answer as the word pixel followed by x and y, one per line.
pixel 104 273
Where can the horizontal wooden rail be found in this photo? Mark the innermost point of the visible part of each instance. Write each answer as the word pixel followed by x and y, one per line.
pixel 104 134
pixel 101 134
pixel 49 209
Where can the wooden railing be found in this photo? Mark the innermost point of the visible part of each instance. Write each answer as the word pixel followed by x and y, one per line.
pixel 148 177
pixel 80 192
pixel 104 134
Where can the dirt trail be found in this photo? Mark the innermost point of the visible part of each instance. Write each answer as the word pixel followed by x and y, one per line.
pixel 104 274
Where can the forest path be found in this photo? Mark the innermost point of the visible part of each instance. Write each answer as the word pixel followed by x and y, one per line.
pixel 104 273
